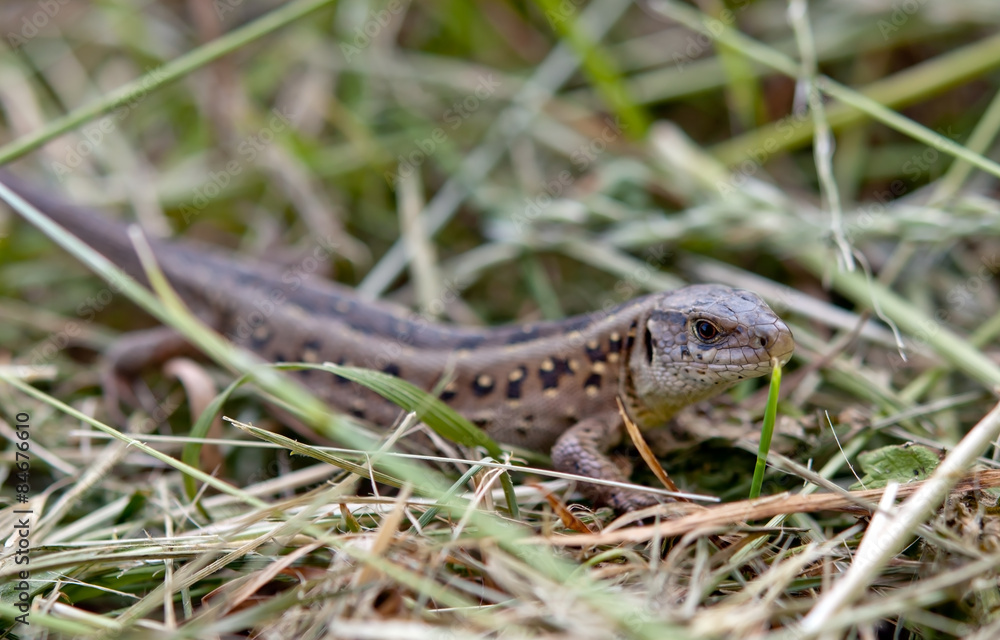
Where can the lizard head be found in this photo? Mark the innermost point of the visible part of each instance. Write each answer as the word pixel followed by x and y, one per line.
pixel 695 342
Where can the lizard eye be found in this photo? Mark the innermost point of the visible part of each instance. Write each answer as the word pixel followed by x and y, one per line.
pixel 706 330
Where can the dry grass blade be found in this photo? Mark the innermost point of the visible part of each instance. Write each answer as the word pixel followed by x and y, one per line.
pixel 566 516
pixel 644 451
pixel 387 531
pixel 721 517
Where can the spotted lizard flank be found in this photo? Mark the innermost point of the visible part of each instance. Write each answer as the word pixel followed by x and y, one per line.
pixel 546 386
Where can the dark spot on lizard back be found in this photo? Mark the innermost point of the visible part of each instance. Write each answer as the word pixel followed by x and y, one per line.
pixel 483 385
pixel 615 342
pixel 309 304
pixel 551 370
pixel 594 351
pixel 246 278
pixel 260 336
pixel 514 382
pixel 363 328
pixel 311 350
pixel 341 379
pixel 630 338
pixel 392 369
pixel 470 342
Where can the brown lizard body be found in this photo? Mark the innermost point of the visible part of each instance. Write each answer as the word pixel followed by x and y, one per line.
pixel 546 386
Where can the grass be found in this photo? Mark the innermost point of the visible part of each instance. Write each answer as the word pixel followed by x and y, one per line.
pixel 494 162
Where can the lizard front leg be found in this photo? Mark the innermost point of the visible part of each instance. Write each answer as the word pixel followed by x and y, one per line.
pixel 582 450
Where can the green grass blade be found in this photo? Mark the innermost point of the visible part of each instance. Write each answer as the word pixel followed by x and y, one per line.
pixel 192 450
pixel 169 72
pixel 431 411
pixel 598 64
pixel 301 449
pixel 770 413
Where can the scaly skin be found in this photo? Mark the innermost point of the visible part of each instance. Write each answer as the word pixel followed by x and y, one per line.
pixel 547 386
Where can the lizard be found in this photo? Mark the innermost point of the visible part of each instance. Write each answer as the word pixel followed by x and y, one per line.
pixel 548 386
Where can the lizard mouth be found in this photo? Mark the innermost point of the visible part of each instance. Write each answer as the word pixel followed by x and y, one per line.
pixel 734 372
pixel 749 353
pixel 742 362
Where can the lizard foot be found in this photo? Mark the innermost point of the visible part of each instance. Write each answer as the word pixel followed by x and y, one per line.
pixel 582 450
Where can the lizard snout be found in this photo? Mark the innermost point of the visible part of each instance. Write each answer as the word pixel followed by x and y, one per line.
pixel 774 338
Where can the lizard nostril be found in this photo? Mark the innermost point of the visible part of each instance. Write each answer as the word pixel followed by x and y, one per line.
pixel 759 342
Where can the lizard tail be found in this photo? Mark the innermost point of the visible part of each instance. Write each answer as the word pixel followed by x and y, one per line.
pixel 104 235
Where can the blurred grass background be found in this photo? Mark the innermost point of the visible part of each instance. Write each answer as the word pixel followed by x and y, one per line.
pixel 497 161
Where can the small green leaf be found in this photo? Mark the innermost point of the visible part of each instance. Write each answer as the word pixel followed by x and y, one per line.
pixel 899 463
